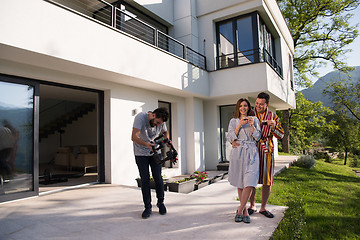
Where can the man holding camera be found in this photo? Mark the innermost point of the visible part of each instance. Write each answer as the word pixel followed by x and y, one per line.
pixel 147 126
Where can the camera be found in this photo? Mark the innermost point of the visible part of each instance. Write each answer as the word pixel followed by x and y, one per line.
pixel 264 122
pixel 160 142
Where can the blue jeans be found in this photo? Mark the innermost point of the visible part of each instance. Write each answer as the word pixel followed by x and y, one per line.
pixel 143 163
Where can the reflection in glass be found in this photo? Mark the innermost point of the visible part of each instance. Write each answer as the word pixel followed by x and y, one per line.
pixel 226 48
pixel 245 40
pixel 167 105
pixel 226 114
pixel 16 137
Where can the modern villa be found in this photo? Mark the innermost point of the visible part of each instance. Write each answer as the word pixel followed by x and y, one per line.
pixel 74 74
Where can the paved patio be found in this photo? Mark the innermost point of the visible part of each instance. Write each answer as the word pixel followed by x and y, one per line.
pixel 105 211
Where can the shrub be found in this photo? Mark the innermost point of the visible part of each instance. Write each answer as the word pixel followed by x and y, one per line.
pixel 355 161
pixel 305 161
pixel 322 155
pixel 293 223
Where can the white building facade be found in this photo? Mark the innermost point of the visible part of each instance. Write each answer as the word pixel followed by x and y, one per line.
pixel 195 57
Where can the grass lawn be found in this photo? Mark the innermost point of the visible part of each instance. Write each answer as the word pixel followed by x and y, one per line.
pixel 326 197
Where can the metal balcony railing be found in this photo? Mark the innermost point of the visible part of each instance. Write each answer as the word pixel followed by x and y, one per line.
pixel 273 63
pixel 128 23
pixel 248 57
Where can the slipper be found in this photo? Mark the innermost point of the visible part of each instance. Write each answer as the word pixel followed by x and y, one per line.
pixel 246 219
pixel 251 211
pixel 238 217
pixel 267 214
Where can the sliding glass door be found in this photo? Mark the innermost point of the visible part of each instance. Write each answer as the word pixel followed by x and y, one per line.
pixel 17 141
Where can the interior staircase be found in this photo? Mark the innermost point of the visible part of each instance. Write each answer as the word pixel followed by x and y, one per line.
pixel 61 122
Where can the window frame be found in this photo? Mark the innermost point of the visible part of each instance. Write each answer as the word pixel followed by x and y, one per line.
pixel 259 30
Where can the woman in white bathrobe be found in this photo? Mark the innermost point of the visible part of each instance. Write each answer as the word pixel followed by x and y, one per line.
pixel 244 159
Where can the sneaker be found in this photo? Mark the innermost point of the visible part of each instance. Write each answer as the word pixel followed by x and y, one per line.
pixel 146 213
pixel 162 208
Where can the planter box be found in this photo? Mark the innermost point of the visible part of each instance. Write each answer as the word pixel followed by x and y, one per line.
pixel 183 187
pixel 215 179
pixel 152 183
pixel 200 185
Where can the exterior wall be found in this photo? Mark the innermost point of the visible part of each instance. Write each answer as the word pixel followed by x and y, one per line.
pixel 210 12
pixel 212 128
pixel 195 135
pixel 186 24
pixel 163 8
pixel 135 76
pixel 260 75
pixel 123 101
pixel 88 48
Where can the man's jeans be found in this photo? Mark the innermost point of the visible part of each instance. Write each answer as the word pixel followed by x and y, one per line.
pixel 143 163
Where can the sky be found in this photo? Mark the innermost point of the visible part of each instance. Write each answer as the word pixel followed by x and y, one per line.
pixel 353 58
pixel 14 95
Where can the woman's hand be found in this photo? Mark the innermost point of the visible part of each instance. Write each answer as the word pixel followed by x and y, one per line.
pixel 244 121
pixel 251 121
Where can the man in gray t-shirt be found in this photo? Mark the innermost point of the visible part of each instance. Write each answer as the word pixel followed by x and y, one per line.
pixel 147 126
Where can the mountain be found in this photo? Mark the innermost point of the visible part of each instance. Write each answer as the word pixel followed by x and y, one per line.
pixel 6 106
pixel 315 92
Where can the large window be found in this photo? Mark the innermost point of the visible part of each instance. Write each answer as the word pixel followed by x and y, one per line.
pixel 16 138
pixel 226 114
pixel 169 164
pixel 245 40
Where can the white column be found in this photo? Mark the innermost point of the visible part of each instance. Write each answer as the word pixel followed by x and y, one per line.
pixel 195 159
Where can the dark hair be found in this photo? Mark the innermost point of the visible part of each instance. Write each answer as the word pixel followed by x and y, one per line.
pixel 264 96
pixel 237 111
pixel 161 113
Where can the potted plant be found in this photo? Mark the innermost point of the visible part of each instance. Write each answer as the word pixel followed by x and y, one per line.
pixel 152 182
pixel 183 185
pixel 201 179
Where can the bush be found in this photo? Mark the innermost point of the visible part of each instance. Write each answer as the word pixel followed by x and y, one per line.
pixel 355 161
pixel 293 223
pixel 305 161
pixel 356 152
pixel 322 155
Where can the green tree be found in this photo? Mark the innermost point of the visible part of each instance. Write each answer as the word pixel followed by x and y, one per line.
pixel 345 94
pixel 306 122
pixel 321 33
pixel 344 135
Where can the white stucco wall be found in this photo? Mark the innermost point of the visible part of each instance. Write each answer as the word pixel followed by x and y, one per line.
pixel 161 8
pixel 124 100
pixel 134 75
pixel 97 50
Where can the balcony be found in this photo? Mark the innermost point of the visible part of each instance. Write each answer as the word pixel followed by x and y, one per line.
pixel 249 57
pixel 122 21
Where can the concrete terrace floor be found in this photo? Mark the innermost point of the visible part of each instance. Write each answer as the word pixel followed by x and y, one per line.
pixel 106 211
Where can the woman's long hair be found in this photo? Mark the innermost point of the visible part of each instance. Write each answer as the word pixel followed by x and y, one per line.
pixel 250 112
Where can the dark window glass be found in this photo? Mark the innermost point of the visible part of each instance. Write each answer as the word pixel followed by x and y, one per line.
pixel 16 137
pixel 253 42
pixel 245 40
pixel 226 45
pixel 226 114
pixel 167 105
